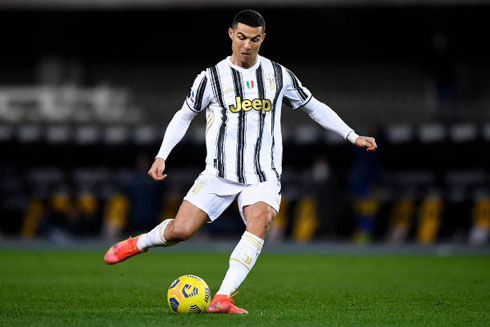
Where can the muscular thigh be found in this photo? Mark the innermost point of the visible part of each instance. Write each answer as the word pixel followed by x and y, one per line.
pixel 267 192
pixel 258 210
pixel 191 215
pixel 188 221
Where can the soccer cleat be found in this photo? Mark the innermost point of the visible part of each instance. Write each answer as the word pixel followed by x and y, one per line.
pixel 122 251
pixel 224 304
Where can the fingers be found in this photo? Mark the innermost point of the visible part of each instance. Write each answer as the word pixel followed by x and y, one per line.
pixel 371 144
pixel 156 172
pixel 152 173
pixel 367 143
pixel 160 177
pixel 157 177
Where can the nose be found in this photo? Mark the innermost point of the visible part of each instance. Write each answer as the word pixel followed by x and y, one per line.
pixel 246 44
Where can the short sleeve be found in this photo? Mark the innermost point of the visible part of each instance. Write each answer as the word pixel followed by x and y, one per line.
pixel 200 93
pixel 295 94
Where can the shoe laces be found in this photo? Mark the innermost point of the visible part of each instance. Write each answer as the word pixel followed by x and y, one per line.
pixel 230 297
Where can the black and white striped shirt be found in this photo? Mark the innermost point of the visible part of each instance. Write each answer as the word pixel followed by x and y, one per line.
pixel 243 114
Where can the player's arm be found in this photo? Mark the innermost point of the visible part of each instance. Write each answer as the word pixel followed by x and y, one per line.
pixel 196 101
pixel 176 130
pixel 298 96
pixel 329 119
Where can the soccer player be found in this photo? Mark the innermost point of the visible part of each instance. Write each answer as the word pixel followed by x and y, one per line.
pixel 242 96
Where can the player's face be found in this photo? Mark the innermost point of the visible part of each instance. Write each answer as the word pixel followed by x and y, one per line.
pixel 245 43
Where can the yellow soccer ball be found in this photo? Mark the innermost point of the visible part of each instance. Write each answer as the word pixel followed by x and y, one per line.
pixel 188 294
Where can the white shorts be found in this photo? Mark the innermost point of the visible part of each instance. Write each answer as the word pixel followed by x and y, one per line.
pixel 213 194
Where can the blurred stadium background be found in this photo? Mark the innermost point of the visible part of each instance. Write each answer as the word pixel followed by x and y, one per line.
pixel 87 88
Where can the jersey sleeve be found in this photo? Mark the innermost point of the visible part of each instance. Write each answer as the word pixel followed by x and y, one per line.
pixel 176 130
pixel 327 118
pixel 295 94
pixel 200 93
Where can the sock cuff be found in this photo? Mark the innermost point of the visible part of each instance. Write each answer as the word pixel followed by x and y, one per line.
pixel 256 241
pixel 161 230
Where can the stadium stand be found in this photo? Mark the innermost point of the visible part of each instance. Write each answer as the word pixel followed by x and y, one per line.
pixel 77 111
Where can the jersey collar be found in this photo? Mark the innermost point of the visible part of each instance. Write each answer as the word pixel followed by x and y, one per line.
pixel 254 67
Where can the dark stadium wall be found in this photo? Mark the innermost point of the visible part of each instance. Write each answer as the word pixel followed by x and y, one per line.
pixel 339 51
pixel 198 37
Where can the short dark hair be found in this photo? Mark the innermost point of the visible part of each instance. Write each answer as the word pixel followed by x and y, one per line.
pixel 249 17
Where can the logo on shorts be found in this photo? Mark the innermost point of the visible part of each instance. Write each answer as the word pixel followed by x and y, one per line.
pixel 197 188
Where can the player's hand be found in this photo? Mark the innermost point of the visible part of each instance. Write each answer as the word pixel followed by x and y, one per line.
pixel 157 169
pixel 368 143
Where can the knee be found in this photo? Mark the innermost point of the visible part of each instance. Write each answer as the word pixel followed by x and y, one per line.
pixel 267 217
pixel 263 217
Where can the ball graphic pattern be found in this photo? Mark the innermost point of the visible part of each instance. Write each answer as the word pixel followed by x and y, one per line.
pixel 188 294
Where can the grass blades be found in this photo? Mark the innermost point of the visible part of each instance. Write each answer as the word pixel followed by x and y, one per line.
pixel 57 288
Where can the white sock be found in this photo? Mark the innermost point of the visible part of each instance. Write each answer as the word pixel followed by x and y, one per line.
pixel 154 237
pixel 242 260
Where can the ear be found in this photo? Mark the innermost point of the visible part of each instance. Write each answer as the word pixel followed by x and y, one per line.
pixel 230 32
pixel 263 36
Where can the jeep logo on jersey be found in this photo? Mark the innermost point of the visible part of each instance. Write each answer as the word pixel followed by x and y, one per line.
pixel 262 105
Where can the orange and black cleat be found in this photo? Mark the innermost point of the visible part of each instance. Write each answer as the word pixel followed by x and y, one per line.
pixel 122 251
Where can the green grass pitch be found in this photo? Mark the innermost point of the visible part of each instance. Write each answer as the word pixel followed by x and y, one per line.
pixel 61 288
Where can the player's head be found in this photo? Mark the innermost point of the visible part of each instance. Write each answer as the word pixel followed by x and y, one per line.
pixel 247 33
pixel 250 18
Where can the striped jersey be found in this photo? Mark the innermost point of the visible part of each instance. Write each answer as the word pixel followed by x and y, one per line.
pixel 243 114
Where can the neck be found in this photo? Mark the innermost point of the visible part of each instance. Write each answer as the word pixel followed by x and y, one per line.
pixel 245 65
